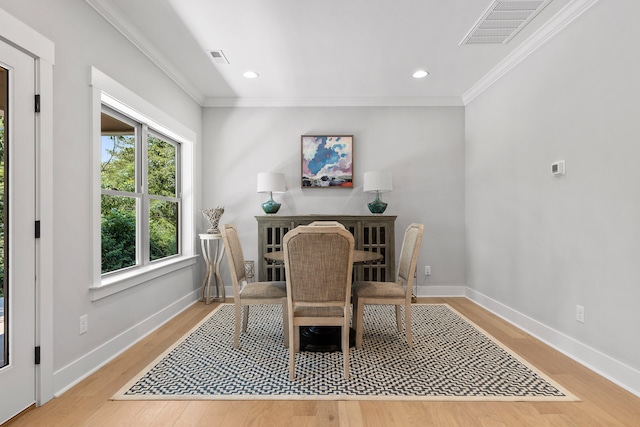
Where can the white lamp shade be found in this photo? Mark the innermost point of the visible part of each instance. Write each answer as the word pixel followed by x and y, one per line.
pixel 271 182
pixel 377 181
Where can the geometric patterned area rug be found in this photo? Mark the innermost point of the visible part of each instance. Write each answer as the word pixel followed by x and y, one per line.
pixel 451 359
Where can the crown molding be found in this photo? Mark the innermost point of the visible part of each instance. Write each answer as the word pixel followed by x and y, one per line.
pixel 563 18
pixel 558 22
pixel 121 23
pixel 442 101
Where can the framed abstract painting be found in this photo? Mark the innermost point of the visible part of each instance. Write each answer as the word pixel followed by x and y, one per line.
pixel 327 161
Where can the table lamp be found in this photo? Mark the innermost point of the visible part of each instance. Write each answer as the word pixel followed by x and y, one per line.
pixel 377 182
pixel 271 182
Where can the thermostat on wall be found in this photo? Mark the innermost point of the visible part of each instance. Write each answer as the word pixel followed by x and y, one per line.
pixel 557 168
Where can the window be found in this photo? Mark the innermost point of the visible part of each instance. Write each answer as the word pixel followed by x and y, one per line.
pixel 140 194
pixel 144 222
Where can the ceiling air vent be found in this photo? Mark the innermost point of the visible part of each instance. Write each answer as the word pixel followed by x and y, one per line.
pixel 218 57
pixel 503 20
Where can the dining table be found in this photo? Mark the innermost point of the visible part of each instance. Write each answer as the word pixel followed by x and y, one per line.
pixel 326 338
pixel 359 257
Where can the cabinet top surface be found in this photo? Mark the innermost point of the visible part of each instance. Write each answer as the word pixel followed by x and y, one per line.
pixel 326 216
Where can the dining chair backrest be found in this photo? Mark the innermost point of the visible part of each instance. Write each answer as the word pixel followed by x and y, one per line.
pixel 409 255
pixel 234 256
pixel 327 224
pixel 319 263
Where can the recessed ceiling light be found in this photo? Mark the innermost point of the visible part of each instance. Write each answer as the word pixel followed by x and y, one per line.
pixel 420 74
pixel 250 74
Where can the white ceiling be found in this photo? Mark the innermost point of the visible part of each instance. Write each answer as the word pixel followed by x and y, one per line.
pixel 327 52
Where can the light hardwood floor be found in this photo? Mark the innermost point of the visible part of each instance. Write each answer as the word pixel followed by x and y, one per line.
pixel 87 404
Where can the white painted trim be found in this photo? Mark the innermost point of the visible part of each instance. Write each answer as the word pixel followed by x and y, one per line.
pixel 619 373
pixel 28 40
pixel 108 91
pixel 121 23
pixel 442 101
pixel 96 183
pixel 45 246
pixel 124 25
pixel 441 291
pixel 121 98
pixel 76 371
pixel 558 22
pixel 623 375
pixel 25 38
pixel 128 279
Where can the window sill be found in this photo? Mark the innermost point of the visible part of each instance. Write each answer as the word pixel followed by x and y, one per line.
pixel 120 282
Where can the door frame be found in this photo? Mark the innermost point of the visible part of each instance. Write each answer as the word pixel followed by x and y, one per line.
pixel 23 37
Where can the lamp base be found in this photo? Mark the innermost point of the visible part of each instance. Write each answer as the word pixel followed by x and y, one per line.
pixel 377 206
pixel 270 206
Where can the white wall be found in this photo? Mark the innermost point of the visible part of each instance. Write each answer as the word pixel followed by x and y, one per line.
pixel 83 39
pixel 540 244
pixel 422 148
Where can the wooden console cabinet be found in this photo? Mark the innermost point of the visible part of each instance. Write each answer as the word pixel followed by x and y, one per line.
pixel 374 233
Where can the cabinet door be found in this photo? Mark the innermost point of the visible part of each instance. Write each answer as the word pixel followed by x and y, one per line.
pixel 377 237
pixel 270 240
pixel 352 227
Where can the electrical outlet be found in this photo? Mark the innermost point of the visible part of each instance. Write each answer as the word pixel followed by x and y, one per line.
pixel 427 270
pixel 580 313
pixel 84 324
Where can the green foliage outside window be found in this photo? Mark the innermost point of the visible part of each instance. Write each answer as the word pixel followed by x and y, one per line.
pixel 119 213
pixel 118 233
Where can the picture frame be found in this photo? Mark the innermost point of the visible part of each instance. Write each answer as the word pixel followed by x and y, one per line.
pixel 327 161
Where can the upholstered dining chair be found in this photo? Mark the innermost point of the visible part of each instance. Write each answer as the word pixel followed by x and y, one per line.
pixel 247 293
pixel 318 263
pixel 396 293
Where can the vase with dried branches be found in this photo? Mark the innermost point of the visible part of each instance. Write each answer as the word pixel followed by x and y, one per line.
pixel 213 216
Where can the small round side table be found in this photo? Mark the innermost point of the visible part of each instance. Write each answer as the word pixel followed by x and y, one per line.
pixel 212 252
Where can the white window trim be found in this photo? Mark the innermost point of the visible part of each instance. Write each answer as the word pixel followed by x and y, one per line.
pixel 111 93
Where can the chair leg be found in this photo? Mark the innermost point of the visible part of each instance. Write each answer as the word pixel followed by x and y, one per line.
pixel 354 316
pixel 398 319
pixel 236 328
pixel 345 347
pixel 407 323
pixel 293 344
pixel 285 323
pixel 246 318
pixel 360 315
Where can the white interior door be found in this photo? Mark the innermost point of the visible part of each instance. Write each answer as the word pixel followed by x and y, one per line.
pixel 17 364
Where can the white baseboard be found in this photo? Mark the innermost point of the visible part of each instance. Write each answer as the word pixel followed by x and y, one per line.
pixel 441 291
pixel 614 370
pixel 76 371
